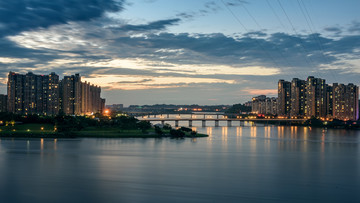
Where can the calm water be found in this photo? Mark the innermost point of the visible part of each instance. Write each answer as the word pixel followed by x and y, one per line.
pixel 235 164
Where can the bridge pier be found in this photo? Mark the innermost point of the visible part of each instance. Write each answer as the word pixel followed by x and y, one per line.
pixel 204 116
pixel 203 122
pixel 190 123
pixel 242 123
pixel 167 116
pixel 148 115
pixel 229 123
pixel 176 123
pixel 163 122
pixel 216 123
pixel 154 115
pixel 217 116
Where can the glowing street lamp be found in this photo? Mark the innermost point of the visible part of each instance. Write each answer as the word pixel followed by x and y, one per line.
pixel 106 111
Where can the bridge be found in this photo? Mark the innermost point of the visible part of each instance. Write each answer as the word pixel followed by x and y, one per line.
pixel 229 121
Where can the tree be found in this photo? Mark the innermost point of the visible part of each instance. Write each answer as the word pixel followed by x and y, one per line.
pixel 185 129
pixel 167 126
pixel 177 133
pixel 144 125
pixel 237 108
pixel 158 131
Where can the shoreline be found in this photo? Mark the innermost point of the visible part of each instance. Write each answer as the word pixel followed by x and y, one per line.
pixel 74 135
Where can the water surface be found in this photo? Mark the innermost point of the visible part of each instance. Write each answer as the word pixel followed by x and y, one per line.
pixel 234 164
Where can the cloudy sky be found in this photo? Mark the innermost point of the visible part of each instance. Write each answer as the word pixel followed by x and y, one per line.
pixel 182 52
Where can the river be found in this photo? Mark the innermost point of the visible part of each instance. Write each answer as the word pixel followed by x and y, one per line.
pixel 234 164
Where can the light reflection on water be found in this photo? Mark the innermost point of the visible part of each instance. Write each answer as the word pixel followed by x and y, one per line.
pixel 248 164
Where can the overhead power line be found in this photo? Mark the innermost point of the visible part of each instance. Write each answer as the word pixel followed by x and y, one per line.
pixel 256 40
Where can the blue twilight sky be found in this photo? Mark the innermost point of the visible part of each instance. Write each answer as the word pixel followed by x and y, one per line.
pixel 182 52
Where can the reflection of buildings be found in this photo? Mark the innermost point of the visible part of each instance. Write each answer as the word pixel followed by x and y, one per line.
pixel 46 95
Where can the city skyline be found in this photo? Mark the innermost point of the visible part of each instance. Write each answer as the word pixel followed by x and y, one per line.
pixel 204 52
pixel 30 93
pixel 309 98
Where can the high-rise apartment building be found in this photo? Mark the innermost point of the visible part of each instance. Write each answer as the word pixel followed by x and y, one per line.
pixel 33 94
pixel 3 103
pixel 316 104
pixel 284 96
pixel 70 91
pixel 46 95
pixel 311 98
pixel 345 101
pixel 264 105
pixel 80 98
pixel 297 104
pixel 330 101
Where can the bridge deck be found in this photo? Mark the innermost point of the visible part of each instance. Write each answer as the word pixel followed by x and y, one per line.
pixel 219 119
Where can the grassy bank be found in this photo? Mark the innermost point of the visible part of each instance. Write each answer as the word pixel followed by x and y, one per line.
pixel 120 133
pixel 48 131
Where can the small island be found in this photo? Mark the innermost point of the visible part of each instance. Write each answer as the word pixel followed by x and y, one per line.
pixel 93 126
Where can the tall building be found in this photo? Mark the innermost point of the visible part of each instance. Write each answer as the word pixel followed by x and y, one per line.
pixel 264 105
pixel 15 92
pixel 284 96
pixel 80 98
pixel 70 91
pixel 345 101
pixel 330 101
pixel 316 104
pixel 297 101
pixel 257 104
pixel 33 94
pixel 3 103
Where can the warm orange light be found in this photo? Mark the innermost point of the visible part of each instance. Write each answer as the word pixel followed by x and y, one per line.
pixel 106 111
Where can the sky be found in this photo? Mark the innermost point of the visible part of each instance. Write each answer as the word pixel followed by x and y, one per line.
pixel 182 52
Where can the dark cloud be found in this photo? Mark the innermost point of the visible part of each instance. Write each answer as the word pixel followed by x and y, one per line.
pixel 255 34
pixel 134 82
pixel 157 25
pixel 335 30
pixel 22 15
pixel 208 7
pixel 235 2
pixel 296 55
pixel 355 27
pixel 278 49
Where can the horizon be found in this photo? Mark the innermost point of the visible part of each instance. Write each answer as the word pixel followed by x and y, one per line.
pixel 205 52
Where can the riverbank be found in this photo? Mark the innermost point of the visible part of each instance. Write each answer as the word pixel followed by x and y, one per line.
pixel 48 131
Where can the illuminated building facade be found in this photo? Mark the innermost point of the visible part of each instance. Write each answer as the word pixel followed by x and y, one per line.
pixel 284 98
pixel 297 100
pixel 264 105
pixel 33 94
pixel 315 103
pixel 345 101
pixel 314 98
pixel 80 98
pixel 46 95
